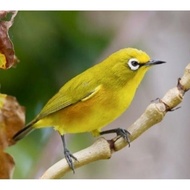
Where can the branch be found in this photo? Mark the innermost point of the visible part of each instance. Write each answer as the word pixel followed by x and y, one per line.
pixel 103 149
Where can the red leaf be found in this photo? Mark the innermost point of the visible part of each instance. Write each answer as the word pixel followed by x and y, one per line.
pixel 6 46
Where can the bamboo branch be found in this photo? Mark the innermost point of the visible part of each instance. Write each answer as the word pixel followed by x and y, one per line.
pixel 103 149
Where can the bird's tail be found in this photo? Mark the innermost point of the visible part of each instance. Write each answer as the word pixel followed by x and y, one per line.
pixel 25 131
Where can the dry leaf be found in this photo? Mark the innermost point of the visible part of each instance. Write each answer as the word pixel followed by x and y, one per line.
pixel 2 61
pixel 6 165
pixel 6 46
pixel 12 119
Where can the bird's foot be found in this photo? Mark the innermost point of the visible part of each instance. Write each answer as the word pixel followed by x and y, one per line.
pixel 69 157
pixel 120 133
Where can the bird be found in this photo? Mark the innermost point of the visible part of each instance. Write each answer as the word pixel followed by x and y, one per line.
pixel 94 98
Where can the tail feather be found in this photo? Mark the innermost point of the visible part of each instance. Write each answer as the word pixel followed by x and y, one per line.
pixel 23 132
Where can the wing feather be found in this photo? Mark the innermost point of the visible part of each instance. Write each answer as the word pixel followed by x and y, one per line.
pixel 72 92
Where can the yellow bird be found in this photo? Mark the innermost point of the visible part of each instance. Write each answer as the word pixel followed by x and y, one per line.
pixel 94 98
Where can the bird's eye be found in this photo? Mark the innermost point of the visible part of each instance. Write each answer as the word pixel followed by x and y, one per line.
pixel 133 64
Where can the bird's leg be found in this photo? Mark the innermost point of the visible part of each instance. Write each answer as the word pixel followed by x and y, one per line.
pixel 68 155
pixel 120 132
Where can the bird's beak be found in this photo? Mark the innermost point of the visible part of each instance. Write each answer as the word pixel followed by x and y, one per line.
pixel 154 62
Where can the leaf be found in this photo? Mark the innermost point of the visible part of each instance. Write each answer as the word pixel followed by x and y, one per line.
pixel 6 46
pixel 2 60
pixel 6 165
pixel 12 119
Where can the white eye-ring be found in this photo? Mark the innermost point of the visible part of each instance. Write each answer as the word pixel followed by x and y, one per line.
pixel 133 64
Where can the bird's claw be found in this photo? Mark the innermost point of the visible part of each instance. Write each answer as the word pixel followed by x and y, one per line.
pixel 69 157
pixel 120 133
pixel 123 133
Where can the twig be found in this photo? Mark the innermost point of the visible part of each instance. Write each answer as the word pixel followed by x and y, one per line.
pixel 103 149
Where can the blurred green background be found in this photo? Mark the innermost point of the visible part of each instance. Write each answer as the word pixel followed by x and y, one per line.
pixel 54 46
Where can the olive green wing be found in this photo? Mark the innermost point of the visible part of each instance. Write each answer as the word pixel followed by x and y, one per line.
pixel 71 93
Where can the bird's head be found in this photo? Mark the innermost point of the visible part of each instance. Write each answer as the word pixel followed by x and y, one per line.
pixel 130 64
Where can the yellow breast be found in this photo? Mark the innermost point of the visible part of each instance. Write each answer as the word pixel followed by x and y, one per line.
pixel 91 114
